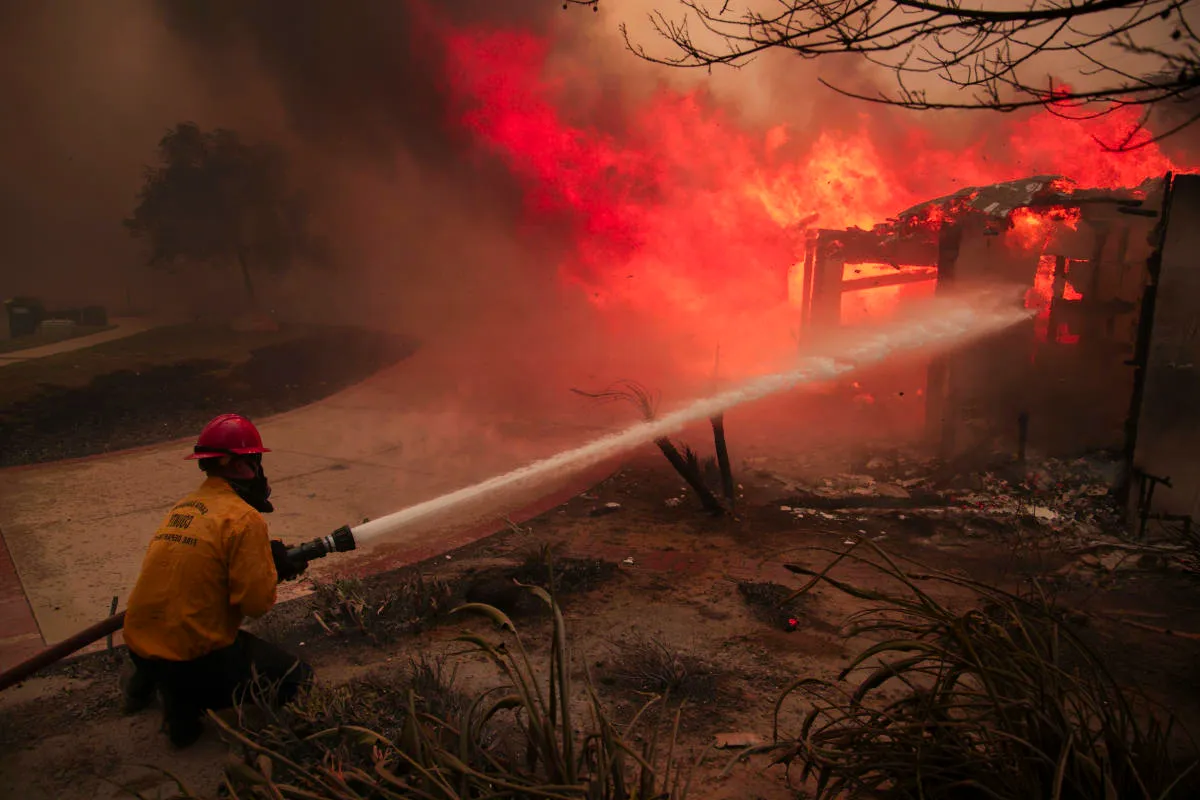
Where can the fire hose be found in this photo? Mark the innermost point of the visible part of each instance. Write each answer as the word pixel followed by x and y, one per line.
pixel 340 541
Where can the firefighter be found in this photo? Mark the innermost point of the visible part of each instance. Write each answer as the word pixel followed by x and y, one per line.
pixel 210 565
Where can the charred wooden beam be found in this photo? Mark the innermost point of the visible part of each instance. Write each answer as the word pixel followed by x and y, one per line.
pixel 899 279
pixel 1056 299
pixel 810 257
pixel 828 266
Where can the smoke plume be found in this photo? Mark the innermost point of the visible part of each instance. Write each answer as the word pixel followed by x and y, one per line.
pixel 492 249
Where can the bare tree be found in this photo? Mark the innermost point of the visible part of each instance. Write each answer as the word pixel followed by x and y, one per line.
pixel 991 53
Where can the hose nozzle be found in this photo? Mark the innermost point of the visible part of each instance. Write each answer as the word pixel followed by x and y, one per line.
pixel 340 541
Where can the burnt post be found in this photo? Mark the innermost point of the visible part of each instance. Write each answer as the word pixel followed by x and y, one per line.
pixel 806 295
pixel 940 397
pixel 828 266
pixel 718 426
pixel 1056 298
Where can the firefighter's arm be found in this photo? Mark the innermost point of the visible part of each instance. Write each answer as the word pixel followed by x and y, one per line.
pixel 252 575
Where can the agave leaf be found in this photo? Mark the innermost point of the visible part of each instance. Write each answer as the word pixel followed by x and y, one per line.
pixel 496 615
pixel 505 703
pixel 538 592
pixel 884 673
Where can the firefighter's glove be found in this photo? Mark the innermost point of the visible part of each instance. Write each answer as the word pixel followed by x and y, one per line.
pixel 285 568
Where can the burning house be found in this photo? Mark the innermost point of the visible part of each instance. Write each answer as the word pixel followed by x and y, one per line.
pixel 1106 364
pixel 681 218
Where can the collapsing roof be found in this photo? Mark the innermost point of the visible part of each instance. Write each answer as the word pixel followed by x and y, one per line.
pixel 911 236
pixel 999 200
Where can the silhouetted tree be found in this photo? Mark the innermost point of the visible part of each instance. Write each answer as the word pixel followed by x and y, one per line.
pixel 214 199
pixel 989 50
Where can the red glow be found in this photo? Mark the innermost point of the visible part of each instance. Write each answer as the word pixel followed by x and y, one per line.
pixel 682 215
pixel 876 304
pixel 1076 149
pixel 1040 295
pixel 1031 228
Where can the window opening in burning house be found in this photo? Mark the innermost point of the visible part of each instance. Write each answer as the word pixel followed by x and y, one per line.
pixel 872 292
pixel 1041 296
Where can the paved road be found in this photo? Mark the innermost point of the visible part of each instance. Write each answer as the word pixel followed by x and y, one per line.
pixel 77 530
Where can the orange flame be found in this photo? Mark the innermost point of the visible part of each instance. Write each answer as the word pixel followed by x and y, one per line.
pixel 681 215
pixel 1031 228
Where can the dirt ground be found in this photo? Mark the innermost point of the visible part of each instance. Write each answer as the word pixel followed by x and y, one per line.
pixel 165 383
pixel 641 563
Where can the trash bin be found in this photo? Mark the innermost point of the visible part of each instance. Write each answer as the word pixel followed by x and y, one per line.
pixel 24 314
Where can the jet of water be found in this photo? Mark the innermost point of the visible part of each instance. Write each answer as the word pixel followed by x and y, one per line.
pixel 936 326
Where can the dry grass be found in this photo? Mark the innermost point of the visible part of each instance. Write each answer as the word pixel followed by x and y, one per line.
pixel 650 665
pixel 1001 701
pixel 381 611
pixel 569 575
pixel 429 743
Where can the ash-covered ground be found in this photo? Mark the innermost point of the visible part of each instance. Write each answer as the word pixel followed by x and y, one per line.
pixel 724 634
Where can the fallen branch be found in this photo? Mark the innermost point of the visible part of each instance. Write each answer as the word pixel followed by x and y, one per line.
pixel 1132 548
pixel 1195 637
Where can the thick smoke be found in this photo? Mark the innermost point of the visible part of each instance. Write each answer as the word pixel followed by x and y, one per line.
pixel 88 90
pixel 429 229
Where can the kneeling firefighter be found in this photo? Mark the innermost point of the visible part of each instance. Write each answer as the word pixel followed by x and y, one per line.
pixel 210 565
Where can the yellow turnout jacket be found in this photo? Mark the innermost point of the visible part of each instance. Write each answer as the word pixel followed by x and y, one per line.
pixel 208 567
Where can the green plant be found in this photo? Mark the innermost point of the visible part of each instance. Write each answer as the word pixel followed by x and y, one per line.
pixel 452 754
pixel 1002 701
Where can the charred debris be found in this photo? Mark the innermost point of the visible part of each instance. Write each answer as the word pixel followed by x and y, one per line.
pixel 1085 413
pixel 1101 376
pixel 697 472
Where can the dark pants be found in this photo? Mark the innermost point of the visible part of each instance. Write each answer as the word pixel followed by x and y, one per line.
pixel 218 680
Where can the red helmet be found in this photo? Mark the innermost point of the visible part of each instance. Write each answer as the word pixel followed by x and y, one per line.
pixel 228 435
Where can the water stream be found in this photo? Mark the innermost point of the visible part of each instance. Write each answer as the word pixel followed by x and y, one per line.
pixel 934 326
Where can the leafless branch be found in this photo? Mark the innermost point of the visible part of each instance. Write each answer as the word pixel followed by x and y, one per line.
pixel 632 392
pixel 991 55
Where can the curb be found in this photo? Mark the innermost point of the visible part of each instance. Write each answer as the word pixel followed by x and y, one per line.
pixel 185 443
pixel 15 613
pixel 20 636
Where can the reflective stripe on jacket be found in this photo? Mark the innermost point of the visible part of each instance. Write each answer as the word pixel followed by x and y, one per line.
pixel 208 567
